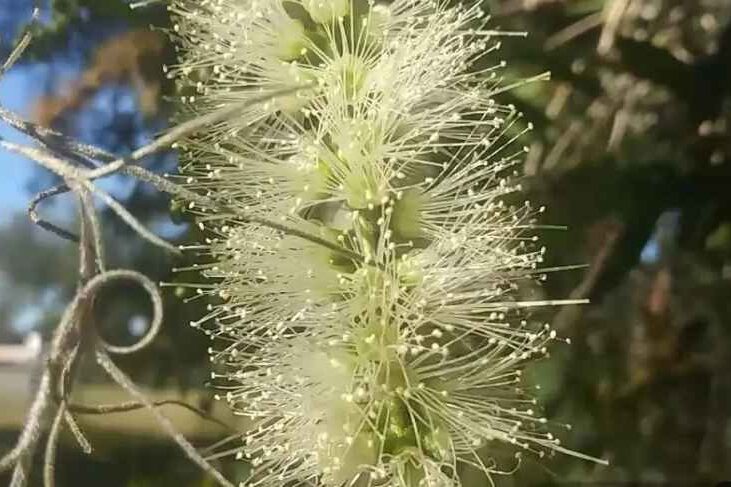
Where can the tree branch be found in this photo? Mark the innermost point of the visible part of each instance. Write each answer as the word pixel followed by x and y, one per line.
pixel 120 378
pixel 136 405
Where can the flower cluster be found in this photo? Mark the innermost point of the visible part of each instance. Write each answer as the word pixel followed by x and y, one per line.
pixel 392 355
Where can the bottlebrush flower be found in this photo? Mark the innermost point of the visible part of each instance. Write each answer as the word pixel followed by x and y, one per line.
pixel 396 367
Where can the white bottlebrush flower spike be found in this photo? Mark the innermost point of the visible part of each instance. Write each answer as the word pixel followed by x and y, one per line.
pixel 395 368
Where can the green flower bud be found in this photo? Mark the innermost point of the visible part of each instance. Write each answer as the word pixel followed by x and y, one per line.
pixel 323 11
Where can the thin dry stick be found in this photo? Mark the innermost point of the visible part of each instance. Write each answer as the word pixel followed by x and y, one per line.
pixel 45 224
pixel 94 227
pixel 167 186
pixel 76 430
pixel 68 340
pixel 49 462
pixel 157 309
pixel 20 48
pixel 49 138
pixel 76 176
pixel 32 429
pixel 61 362
pixel 120 378
pixel 62 352
pixel 46 159
pixel 189 127
pixel 125 407
pixel 159 182
pixel 91 287
pixel 71 337
pixel 73 331
pixel 84 295
pixel 129 219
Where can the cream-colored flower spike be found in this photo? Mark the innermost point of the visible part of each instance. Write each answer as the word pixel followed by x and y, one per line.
pixel 398 367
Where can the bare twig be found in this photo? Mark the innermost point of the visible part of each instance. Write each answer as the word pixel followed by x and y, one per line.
pixel 66 342
pixel 120 378
pixel 94 227
pixel 53 139
pixel 49 461
pixel 64 347
pixel 75 334
pixel 161 183
pixel 75 176
pixel 76 430
pixel 129 219
pixel 32 429
pixel 21 46
pixel 46 225
pixel 136 405
pixel 190 127
pixel 169 187
pixel 46 159
pixel 107 277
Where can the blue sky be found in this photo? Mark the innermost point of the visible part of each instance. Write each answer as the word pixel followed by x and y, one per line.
pixel 25 83
pixel 97 123
pixel 18 89
pixel 14 172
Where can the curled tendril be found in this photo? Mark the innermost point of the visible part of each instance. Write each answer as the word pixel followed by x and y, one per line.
pixel 103 279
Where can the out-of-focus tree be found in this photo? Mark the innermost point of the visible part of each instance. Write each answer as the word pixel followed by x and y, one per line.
pixel 631 152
